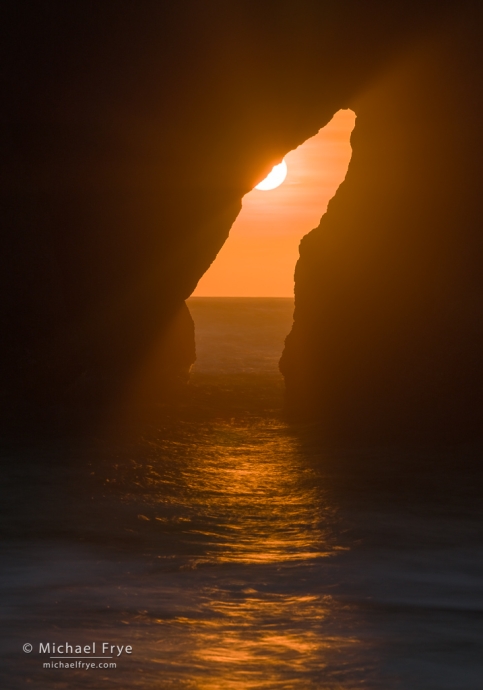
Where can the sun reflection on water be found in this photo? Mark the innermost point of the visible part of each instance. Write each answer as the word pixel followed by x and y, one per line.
pixel 255 527
pixel 247 495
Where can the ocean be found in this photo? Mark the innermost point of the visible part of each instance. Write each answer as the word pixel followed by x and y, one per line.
pixel 222 547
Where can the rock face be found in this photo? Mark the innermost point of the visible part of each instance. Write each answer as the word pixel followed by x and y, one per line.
pixel 388 330
pixel 130 132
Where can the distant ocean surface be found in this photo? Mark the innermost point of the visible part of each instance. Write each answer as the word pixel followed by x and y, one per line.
pixel 234 551
pixel 240 334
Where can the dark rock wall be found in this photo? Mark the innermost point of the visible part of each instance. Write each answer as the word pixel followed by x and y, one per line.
pixel 388 335
pixel 129 133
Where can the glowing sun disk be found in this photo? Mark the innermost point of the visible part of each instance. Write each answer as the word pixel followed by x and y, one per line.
pixel 274 178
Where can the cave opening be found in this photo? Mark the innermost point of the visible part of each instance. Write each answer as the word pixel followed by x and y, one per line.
pixel 243 305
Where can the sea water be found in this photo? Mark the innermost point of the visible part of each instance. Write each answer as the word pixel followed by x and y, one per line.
pixel 229 549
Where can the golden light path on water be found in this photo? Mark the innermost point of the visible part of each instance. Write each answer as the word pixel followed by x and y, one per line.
pixel 268 505
pixel 247 609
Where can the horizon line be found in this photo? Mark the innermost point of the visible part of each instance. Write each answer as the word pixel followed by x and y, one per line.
pixel 240 297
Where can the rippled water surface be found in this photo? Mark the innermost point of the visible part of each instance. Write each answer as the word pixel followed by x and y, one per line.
pixel 232 550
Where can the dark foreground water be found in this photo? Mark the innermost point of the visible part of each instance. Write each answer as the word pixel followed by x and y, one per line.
pixel 232 551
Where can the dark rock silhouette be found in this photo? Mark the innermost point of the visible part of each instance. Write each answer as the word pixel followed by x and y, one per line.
pixel 388 330
pixel 130 132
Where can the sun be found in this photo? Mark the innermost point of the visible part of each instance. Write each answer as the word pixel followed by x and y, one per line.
pixel 274 178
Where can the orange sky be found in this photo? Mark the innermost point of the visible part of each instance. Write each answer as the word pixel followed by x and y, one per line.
pixel 259 257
